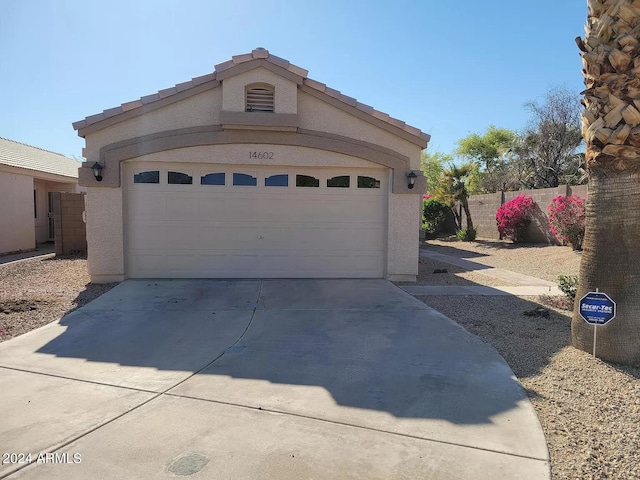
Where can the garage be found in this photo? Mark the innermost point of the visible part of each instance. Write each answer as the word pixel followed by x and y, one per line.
pixel 252 171
pixel 203 221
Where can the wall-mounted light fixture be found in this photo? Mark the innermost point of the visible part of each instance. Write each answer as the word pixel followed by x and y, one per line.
pixel 411 176
pixel 97 171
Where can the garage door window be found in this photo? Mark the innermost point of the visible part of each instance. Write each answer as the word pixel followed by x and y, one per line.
pixel 368 182
pixel 276 181
pixel 339 182
pixel 307 181
pixel 179 178
pixel 244 179
pixel 147 177
pixel 212 179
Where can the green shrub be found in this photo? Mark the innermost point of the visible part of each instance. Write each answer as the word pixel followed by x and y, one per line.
pixel 434 213
pixel 466 234
pixel 568 285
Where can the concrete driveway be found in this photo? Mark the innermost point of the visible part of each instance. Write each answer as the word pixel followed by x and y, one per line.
pixel 282 379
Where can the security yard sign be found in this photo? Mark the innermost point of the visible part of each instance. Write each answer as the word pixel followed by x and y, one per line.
pixel 597 308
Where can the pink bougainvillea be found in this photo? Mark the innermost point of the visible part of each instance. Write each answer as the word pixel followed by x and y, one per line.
pixel 427 196
pixel 567 219
pixel 513 217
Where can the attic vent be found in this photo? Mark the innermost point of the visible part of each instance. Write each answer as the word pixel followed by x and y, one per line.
pixel 260 99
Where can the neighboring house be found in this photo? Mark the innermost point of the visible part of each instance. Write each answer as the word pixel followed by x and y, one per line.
pixel 28 178
pixel 252 171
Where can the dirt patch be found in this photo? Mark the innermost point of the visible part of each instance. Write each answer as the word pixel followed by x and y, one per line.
pixel 39 291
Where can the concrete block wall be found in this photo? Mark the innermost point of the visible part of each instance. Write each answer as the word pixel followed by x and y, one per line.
pixel 70 228
pixel 483 213
pixel 483 210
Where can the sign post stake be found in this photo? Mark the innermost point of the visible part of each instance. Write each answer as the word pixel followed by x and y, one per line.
pixel 597 309
pixel 595 332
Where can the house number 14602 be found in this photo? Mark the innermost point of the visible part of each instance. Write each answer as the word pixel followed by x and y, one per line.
pixel 261 155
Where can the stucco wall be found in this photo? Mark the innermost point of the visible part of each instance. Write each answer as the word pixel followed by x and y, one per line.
pixel 314 114
pixel 16 213
pixel 403 237
pixel 105 252
pixel 285 98
pixel 239 154
pixel 199 110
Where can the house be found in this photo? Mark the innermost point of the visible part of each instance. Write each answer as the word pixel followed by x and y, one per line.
pixel 252 171
pixel 28 178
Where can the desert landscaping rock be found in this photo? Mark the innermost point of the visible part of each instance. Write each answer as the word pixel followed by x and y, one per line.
pixel 41 290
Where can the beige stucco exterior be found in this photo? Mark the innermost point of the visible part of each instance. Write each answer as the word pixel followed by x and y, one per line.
pixel 24 206
pixel 309 132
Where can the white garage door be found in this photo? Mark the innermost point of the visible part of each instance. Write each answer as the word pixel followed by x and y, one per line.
pixel 202 221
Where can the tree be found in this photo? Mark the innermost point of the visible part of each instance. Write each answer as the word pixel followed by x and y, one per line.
pixel 453 189
pixel 491 152
pixel 611 126
pixel 547 150
pixel 432 165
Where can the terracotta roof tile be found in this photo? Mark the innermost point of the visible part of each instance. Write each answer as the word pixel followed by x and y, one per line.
pixel 259 53
pixel 349 100
pixel 181 87
pixel 242 58
pixel 203 79
pixel 110 112
pixel 364 107
pixel 314 84
pixel 221 67
pixel 149 98
pixel 95 118
pixel 21 155
pixel 281 62
pixel 297 70
pixel 332 92
pixel 129 106
pixel 167 92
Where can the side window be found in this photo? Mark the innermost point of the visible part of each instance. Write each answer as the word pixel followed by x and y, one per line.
pixel 212 179
pixel 179 178
pixel 368 182
pixel 277 181
pixel 307 181
pixel 244 179
pixel 340 182
pixel 147 177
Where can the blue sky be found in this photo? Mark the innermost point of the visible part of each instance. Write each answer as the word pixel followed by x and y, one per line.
pixel 448 68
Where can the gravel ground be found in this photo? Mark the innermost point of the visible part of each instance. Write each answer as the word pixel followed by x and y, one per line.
pixel 538 260
pixel 39 291
pixel 428 275
pixel 589 410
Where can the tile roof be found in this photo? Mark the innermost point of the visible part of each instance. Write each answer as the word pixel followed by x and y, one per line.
pixel 21 155
pixel 258 53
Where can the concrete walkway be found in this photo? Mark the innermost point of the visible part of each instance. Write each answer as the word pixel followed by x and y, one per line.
pixel 43 250
pixel 282 379
pixel 525 285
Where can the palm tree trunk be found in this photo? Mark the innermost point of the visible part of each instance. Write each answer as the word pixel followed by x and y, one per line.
pixel 611 263
pixel 611 128
pixel 467 213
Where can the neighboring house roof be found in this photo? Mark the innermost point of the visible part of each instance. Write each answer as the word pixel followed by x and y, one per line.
pixel 237 61
pixel 16 154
